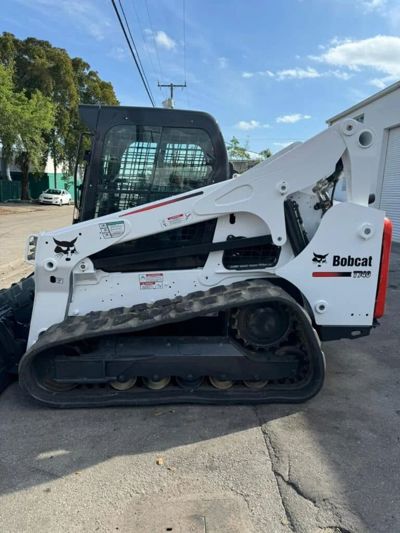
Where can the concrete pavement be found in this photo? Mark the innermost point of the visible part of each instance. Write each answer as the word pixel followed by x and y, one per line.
pixel 328 466
pixel 17 221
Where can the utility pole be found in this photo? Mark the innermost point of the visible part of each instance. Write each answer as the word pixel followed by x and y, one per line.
pixel 169 102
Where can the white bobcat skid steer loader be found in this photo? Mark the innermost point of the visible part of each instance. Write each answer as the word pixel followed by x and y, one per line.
pixel 182 282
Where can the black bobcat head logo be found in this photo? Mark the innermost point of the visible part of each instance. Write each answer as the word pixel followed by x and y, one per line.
pixel 65 248
pixel 319 259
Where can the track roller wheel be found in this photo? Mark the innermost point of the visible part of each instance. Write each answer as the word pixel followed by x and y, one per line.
pixel 255 385
pixel 123 385
pixel 222 384
pixel 189 384
pixel 156 384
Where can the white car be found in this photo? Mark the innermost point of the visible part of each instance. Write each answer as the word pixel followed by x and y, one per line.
pixel 55 197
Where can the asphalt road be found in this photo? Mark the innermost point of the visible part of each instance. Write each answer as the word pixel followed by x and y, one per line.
pixel 328 466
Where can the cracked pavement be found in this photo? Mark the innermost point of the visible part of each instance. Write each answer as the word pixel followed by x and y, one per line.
pixel 328 466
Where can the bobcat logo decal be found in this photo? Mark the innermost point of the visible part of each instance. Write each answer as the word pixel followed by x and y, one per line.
pixel 65 248
pixel 319 259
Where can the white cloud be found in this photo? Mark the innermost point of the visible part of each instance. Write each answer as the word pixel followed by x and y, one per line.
pixel 378 83
pixel 268 73
pixel 381 83
pixel 381 53
pixel 87 15
pixel 164 40
pixel 282 144
pixel 247 125
pixel 298 73
pixel 387 9
pixel 291 119
pixel 222 62
pixel 373 5
pixel 118 53
pixel 340 74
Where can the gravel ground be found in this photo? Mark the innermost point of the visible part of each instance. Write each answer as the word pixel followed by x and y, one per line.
pixel 328 466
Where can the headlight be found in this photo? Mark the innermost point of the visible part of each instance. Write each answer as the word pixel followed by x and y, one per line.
pixel 30 249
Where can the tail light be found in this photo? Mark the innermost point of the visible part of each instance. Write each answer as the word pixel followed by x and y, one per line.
pixel 384 269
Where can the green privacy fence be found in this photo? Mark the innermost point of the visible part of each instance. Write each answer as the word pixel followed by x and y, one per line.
pixel 9 190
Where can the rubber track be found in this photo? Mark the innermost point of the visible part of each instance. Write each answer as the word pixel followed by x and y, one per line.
pixel 16 304
pixel 140 317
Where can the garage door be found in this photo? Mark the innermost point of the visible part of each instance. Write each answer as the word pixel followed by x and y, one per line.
pixel 390 197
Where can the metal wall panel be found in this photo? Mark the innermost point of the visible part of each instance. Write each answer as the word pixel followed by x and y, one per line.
pixel 390 197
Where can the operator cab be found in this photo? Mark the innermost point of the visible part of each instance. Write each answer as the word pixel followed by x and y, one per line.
pixel 141 155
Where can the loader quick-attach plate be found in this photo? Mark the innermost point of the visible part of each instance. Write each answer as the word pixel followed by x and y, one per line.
pixel 90 352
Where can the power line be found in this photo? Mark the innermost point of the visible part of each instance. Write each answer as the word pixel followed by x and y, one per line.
pixel 184 36
pixel 146 51
pixel 154 40
pixel 136 59
pixel 134 45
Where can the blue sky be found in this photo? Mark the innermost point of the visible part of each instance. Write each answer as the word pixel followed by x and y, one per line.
pixel 270 71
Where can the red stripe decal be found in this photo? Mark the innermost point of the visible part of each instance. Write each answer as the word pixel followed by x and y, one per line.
pixel 331 274
pixel 161 204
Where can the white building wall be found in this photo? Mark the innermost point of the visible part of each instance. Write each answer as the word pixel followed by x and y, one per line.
pixel 381 113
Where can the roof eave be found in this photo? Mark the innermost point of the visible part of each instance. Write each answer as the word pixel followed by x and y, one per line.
pixel 364 102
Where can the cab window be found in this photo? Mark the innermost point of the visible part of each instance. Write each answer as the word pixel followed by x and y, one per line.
pixel 141 164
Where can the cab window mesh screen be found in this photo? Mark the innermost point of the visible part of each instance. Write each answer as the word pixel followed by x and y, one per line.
pixel 142 164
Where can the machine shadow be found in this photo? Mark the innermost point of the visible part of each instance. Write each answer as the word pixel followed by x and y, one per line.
pixel 38 444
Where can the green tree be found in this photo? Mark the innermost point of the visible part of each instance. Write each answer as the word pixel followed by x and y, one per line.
pixel 265 154
pixel 91 90
pixel 23 123
pixel 236 151
pixel 38 115
pixel 10 119
pixel 40 66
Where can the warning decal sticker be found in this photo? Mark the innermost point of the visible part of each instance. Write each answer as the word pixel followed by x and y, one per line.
pixel 112 230
pixel 176 219
pixel 153 280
